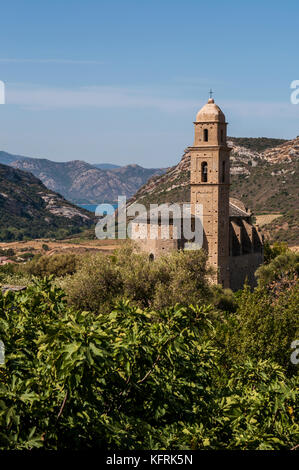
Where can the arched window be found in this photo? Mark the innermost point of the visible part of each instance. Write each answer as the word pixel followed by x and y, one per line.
pixel 221 135
pixel 223 171
pixel 205 135
pixel 204 172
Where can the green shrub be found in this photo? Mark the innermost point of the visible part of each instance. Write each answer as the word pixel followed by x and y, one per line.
pixel 271 251
pixel 224 299
pixel 27 256
pixel 57 265
pixel 6 270
pixel 8 252
pixel 264 326
pixel 132 379
pixel 285 265
pixel 100 280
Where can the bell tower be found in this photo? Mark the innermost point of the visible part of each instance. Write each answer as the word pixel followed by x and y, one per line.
pixel 210 185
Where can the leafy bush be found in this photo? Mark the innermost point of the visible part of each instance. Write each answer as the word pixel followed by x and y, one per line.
pixel 283 266
pixel 224 299
pixel 56 265
pixel 133 379
pixel 271 251
pixel 27 256
pixel 101 280
pixel 8 252
pixel 264 326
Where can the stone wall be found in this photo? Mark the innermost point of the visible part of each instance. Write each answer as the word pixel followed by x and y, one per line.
pixel 244 266
pixel 156 239
pixel 156 248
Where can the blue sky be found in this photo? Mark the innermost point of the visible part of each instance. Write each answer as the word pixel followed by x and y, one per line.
pixel 121 81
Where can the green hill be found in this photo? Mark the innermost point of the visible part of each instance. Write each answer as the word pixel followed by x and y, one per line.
pixel 29 209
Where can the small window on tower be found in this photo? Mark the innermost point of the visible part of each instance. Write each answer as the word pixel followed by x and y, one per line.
pixel 205 135
pixel 204 172
pixel 221 135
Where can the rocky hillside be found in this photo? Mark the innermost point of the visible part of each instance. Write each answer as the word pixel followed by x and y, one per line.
pixel 256 144
pixel 105 166
pixel 81 182
pixel 265 181
pixel 29 209
pixel 8 158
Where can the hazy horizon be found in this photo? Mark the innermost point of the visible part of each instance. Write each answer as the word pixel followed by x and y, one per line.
pixel 111 162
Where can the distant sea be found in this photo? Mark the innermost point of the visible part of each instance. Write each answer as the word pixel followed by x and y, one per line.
pixel 92 207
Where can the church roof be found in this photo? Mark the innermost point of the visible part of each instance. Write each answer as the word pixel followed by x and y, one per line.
pixel 235 211
pixel 210 112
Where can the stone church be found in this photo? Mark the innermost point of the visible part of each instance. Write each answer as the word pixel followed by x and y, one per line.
pixel 233 244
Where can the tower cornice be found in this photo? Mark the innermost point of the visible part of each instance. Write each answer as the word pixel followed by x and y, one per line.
pixel 209 122
pixel 209 147
pixel 212 185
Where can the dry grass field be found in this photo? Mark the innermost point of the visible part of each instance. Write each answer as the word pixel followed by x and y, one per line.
pixel 266 218
pixel 61 246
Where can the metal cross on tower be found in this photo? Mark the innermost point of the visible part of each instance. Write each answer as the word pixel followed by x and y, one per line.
pixel 211 93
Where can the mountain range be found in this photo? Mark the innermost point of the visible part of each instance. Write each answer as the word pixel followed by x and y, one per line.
pixel 81 182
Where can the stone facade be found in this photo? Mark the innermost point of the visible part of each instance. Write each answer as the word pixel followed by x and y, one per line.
pixel 242 268
pixel 156 239
pixel 246 249
pixel 210 185
pixel 233 244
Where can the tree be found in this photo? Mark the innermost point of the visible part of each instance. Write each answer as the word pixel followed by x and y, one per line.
pixel 100 280
pixel 263 327
pixel 283 266
pixel 271 251
pixel 131 379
